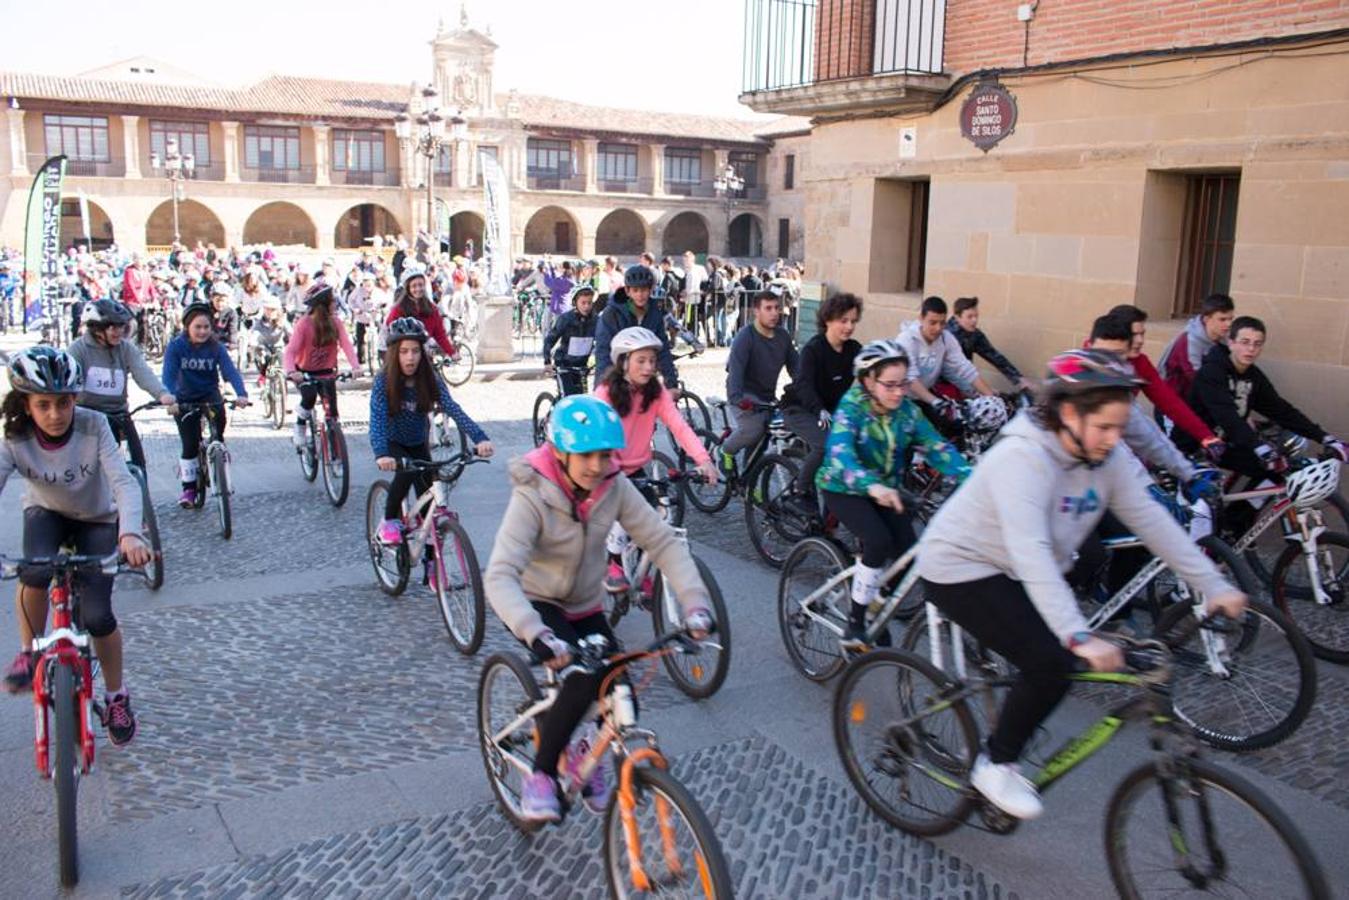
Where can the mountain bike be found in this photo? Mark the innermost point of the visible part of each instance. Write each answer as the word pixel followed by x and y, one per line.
pixel 907 738
pixel 325 446
pixel 546 400
pixel 691 407
pixel 434 537
pixel 657 839
pixel 274 388
pixel 457 367
pixel 527 318
pixel 154 571
pixel 213 463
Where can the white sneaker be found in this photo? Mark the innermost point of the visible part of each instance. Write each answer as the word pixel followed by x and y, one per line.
pixel 298 437
pixel 1003 785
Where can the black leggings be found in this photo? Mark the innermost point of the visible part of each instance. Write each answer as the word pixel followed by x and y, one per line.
pixel 189 428
pixel 360 342
pixel 997 612
pixel 309 391
pixel 124 429
pixel 885 534
pixel 578 691
pixel 405 481
pixel 44 532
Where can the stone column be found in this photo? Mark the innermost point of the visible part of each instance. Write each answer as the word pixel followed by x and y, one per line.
pixel 230 130
pixel 131 145
pixel 494 332
pixel 592 158
pixel 18 143
pixel 322 161
pixel 406 161
pixel 657 169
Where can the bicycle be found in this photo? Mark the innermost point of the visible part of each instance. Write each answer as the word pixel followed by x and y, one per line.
pixel 63 691
pixel 156 328
pixel 456 367
pixel 649 805
pixel 546 400
pixel 527 318
pixel 691 407
pixel 325 446
pixel 136 463
pixel 430 529
pixel 649 591
pixel 272 379
pixel 912 768
pixel 213 465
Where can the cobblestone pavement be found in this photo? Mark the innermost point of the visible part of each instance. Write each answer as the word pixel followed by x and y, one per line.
pixel 786 831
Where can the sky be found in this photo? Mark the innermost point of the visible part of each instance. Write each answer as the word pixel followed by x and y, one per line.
pixel 673 55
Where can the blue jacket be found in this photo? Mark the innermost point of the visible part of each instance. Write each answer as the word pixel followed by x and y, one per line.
pixel 618 314
pixel 409 427
pixel 192 372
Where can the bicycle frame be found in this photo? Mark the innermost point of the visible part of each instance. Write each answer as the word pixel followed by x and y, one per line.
pixel 65 645
pixel 775 436
pixel 888 608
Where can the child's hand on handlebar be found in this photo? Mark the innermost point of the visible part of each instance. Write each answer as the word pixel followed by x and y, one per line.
pixel 554 652
pixel 709 472
pixel 1231 604
pixel 484 449
pixel 386 463
pixel 134 549
pixel 1101 655
pixel 886 496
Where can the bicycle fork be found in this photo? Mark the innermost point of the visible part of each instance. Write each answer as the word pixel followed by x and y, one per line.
pixel 627 806
pixel 1174 790
pixel 1310 527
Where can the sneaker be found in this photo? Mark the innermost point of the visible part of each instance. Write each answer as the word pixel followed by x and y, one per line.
pixel 855 635
pixel 727 463
pixel 538 799
pixel 1003 785
pixel 119 719
pixel 298 436
pixel 188 498
pixel 390 532
pixel 616 580
pixel 595 791
pixel 19 675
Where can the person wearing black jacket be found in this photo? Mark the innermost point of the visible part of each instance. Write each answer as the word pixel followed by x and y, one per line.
pixel 628 306
pixel 965 326
pixel 573 333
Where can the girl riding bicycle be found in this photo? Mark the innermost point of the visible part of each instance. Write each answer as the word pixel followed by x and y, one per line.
pixel 194 363
pixel 631 387
pixel 80 491
pixel 865 456
pixel 312 350
pixel 993 558
pixel 400 402
pixel 544 578
pixel 414 301
pixel 270 334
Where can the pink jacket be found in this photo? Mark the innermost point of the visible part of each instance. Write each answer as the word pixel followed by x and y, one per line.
pixel 640 427
pixel 303 354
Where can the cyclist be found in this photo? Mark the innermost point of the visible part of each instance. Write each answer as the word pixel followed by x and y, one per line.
pixel 194 363
pixel 545 576
pixel 964 325
pixel 270 335
pixel 873 427
pixel 631 387
pixel 224 318
pixel 759 353
pixel 80 491
pixel 107 360
pixel 935 353
pixel 573 334
pixel 628 306
pixel 414 301
pixel 1180 361
pixel 400 402
pixel 993 557
pixel 312 350
pixel 823 374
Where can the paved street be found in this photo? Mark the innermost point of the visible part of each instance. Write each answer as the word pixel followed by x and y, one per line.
pixel 304 734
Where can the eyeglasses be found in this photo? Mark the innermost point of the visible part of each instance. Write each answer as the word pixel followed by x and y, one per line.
pixel 892 385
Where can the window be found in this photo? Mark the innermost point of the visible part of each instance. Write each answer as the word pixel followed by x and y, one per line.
pixel 81 138
pixel 683 165
pixel 617 162
pixel 191 136
pixel 548 159
pixel 785 238
pixel 746 165
pixel 898 236
pixel 358 151
pixel 271 147
pixel 789 172
pixel 444 159
pixel 1209 235
pixel 917 257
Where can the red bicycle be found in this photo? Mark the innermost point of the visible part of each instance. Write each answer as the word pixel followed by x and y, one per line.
pixel 63 689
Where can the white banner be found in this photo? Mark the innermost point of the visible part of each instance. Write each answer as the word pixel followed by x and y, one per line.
pixel 496 236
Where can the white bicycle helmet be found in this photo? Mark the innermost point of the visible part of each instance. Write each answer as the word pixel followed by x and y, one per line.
pixel 409 273
pixel 1308 487
pixel 985 414
pixel 45 370
pixel 630 339
pixel 875 353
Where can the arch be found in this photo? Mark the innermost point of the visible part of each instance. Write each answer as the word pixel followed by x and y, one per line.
pixel 281 224
pixel 686 231
pixel 551 230
pixel 100 235
pixel 361 222
pixel 466 226
pixel 745 238
pixel 621 233
pixel 196 222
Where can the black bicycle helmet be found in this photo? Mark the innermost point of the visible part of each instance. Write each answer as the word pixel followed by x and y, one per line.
pixel 105 312
pixel 45 370
pixel 639 276
pixel 406 329
pixel 192 310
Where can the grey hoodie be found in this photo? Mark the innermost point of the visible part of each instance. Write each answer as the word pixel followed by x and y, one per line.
pixel 942 358
pixel 1030 505
pixel 106 370
pixel 1146 440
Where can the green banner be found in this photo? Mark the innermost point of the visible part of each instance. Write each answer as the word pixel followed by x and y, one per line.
pixel 42 244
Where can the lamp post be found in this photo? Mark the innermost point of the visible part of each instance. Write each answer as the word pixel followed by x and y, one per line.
pixel 727 185
pixel 427 139
pixel 177 168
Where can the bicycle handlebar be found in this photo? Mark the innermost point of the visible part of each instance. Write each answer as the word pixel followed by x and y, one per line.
pixel 408 465
pixel 112 564
pixel 311 378
pixel 589 660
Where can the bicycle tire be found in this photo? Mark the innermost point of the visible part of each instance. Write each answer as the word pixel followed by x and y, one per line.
pixel 277 388
pixel 661 467
pixel 543 409
pixel 392 579
pixel 906 741
pixel 692 682
pixel 822 659
pixel 457 373
pixel 772 530
pixel 219 475
pixel 988 665
pixel 713 875
pixel 1326 627
pixel 336 465
pixel 1194 775
pixel 499 771
pixel 705 497
pixel 1265 571
pixel 1262 631
pixel 154 569
pixel 64 704
pixel 693 410
pixel 467 560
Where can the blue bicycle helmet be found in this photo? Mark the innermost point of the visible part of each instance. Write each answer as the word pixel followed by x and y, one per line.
pixel 584 424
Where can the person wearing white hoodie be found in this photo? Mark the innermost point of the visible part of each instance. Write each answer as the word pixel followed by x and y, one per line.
pixel 993 558
pixel 935 354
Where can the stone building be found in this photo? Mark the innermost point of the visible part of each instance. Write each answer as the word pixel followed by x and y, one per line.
pixel 1138 151
pixel 314 162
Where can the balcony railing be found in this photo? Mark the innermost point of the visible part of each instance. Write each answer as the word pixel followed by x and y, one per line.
pixel 213 172
pixel 113 168
pixel 791 43
pixel 387 178
pixel 301 175
pixel 555 181
pixel 627 186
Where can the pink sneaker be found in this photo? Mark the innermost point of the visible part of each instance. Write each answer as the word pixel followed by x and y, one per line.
pixel 188 498
pixel 595 792
pixel 390 532
pixel 616 580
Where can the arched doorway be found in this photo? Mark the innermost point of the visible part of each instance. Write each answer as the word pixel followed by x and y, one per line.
pixel 362 222
pixel 686 231
pixel 97 235
pixel 551 230
pixel 280 224
pixel 196 222
pixel 464 227
pixel 621 233
pixel 746 236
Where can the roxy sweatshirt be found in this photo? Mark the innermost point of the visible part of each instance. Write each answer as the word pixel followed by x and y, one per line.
pixel 192 372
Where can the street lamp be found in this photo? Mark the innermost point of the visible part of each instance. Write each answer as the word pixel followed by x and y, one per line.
pixel 728 185
pixel 177 168
pixel 427 139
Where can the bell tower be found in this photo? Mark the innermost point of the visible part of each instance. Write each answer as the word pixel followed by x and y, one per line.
pixel 463 67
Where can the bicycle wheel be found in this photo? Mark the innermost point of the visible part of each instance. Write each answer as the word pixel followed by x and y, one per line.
pixel 661 467
pixel 694 411
pixel 773 529
pixel 448 438
pixel 460 369
pixel 910 765
pixel 276 388
pixel 1324 624
pixel 336 478
pixel 459 593
pixel 1335 513
pixel 699 675
pixel 1240 684
pixel 812 645
pixel 391 563
pixel 308 451
pixel 680 853
pixel 709 498
pixel 506 689
pixel 978 662
pixel 154 569
pixel 220 478
pixel 543 409
pixel 64 704
pixel 1193 831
